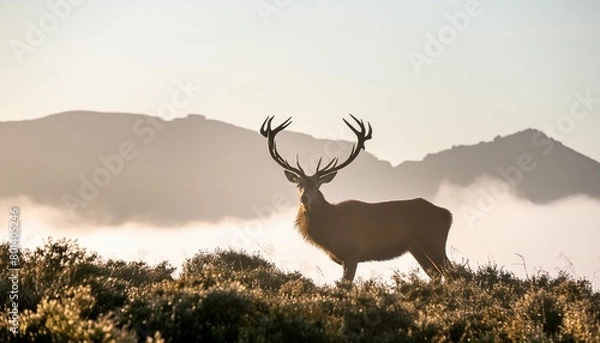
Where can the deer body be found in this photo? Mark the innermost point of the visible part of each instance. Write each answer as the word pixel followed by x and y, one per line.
pixel 353 231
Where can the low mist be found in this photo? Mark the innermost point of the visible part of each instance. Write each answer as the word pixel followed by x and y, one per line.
pixel 499 227
pixel 491 225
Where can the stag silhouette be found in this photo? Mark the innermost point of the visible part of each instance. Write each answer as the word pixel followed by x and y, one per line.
pixel 354 231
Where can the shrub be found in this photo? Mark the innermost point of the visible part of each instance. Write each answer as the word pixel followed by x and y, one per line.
pixel 69 294
pixel 66 320
pixel 210 269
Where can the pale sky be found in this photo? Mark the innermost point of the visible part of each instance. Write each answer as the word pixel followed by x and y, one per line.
pixel 509 66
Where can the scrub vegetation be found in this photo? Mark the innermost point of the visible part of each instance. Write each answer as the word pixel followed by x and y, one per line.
pixel 68 294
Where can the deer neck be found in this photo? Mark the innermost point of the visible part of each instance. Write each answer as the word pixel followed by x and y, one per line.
pixel 312 222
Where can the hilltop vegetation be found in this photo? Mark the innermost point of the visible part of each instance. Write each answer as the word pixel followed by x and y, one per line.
pixel 67 294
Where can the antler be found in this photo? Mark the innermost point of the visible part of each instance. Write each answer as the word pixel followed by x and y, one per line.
pixel 363 135
pixel 270 134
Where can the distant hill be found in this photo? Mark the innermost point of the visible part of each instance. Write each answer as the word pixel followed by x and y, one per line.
pixel 196 169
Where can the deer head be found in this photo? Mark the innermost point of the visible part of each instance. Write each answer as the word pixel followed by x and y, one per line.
pixel 308 186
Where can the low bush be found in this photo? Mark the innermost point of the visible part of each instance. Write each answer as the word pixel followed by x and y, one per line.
pixel 69 294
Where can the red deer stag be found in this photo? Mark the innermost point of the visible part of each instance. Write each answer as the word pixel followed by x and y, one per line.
pixel 353 231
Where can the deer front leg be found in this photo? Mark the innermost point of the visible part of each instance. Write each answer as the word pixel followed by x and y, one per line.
pixel 349 269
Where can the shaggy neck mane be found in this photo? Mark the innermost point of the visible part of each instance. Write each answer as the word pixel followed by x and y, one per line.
pixel 312 223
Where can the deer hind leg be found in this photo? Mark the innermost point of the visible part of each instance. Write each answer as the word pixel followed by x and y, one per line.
pixel 349 269
pixel 432 261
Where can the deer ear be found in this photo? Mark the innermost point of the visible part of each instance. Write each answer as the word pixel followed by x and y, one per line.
pixel 293 178
pixel 327 178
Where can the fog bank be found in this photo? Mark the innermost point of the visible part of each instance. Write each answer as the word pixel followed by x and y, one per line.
pixel 489 226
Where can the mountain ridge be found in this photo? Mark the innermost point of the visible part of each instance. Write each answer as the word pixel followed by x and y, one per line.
pixel 198 169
